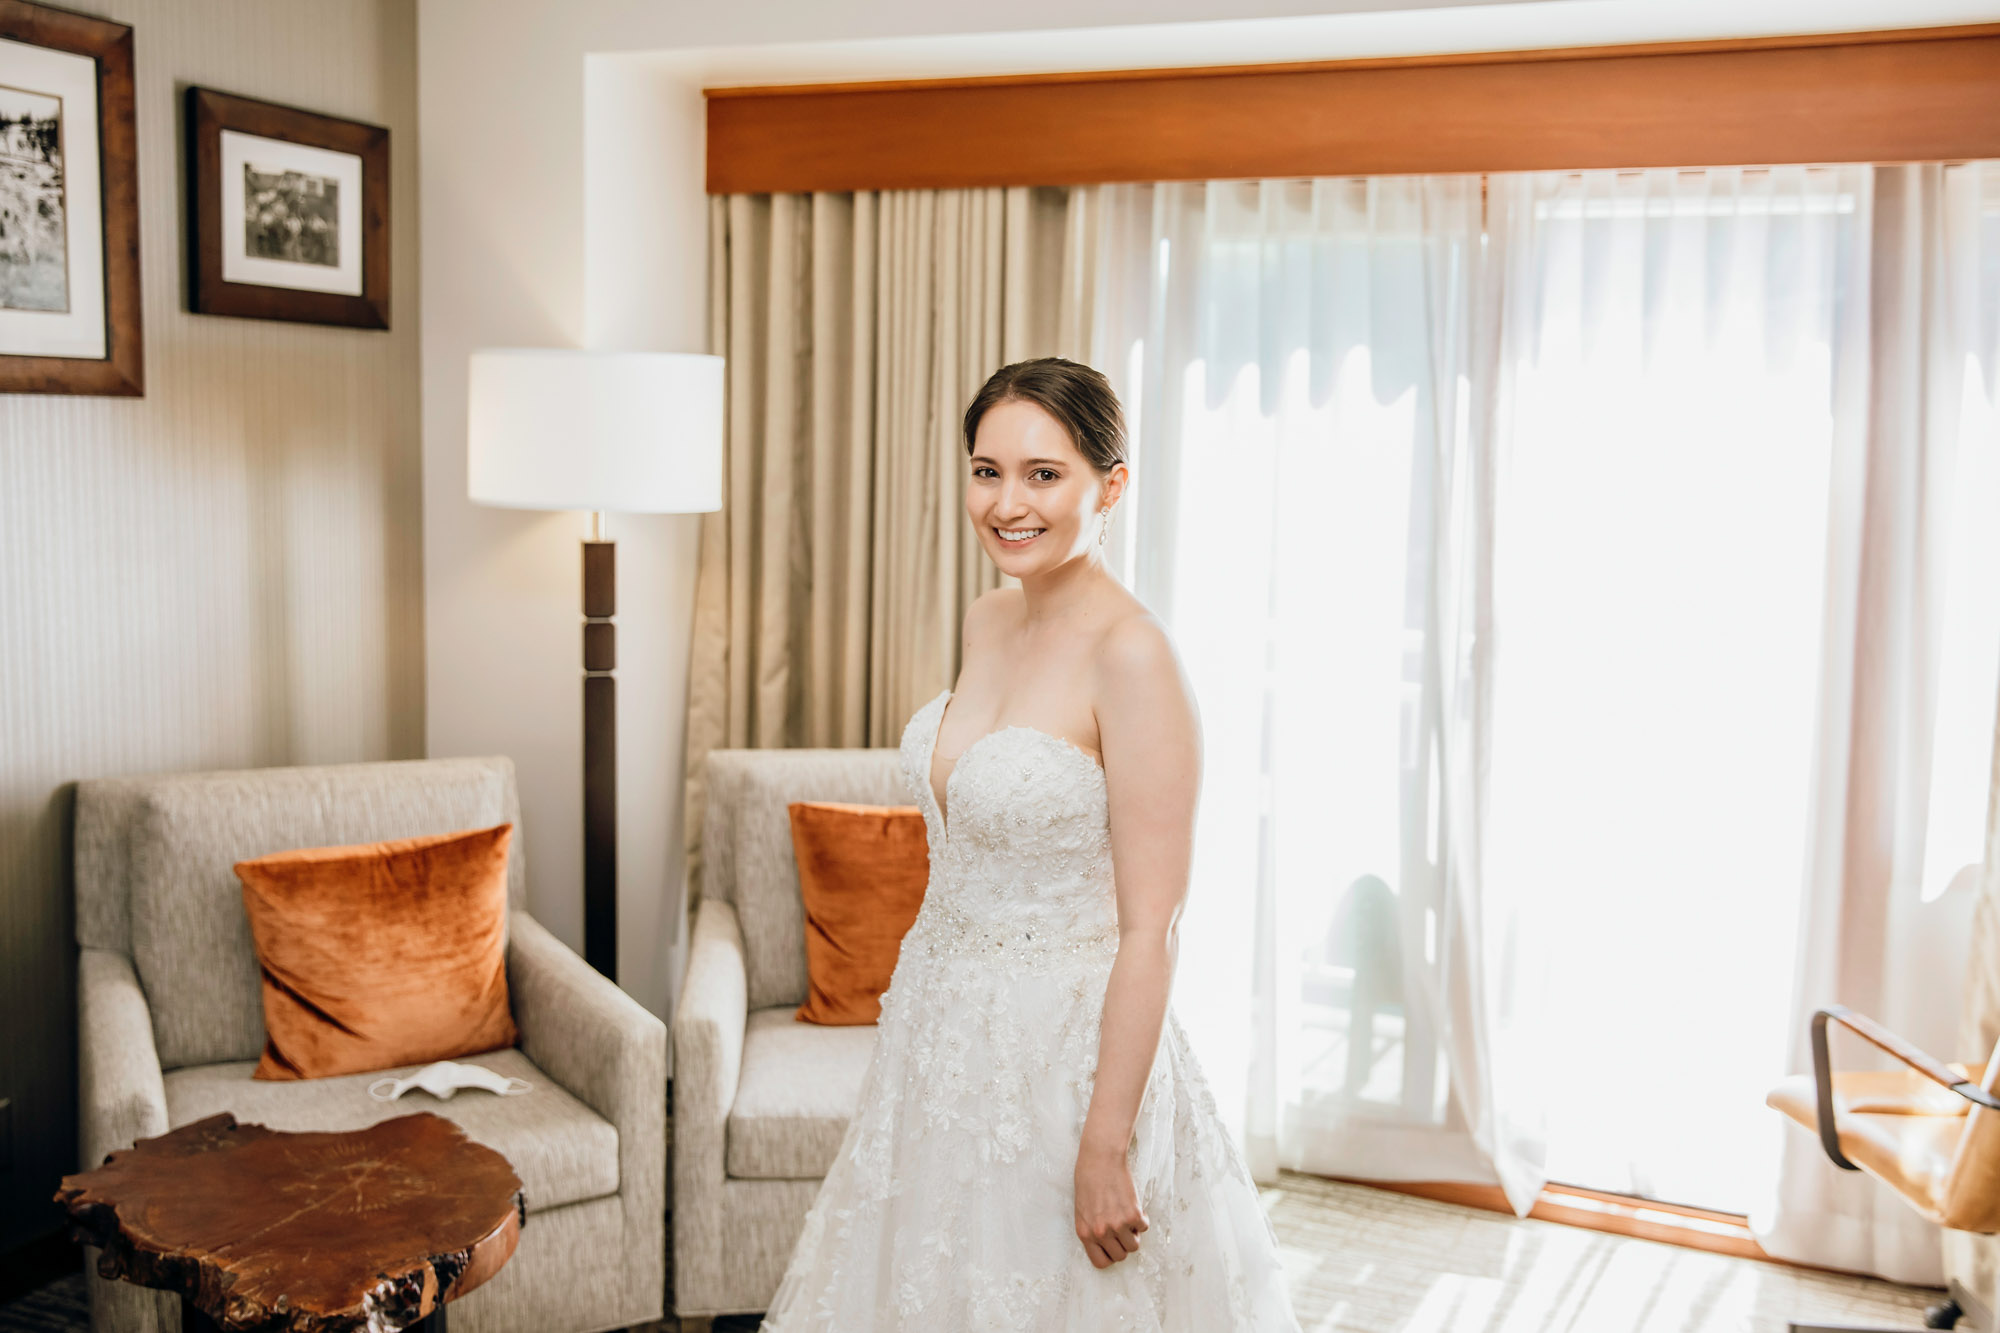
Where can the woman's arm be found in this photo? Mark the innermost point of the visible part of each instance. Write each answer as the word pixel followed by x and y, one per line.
pixel 1152 764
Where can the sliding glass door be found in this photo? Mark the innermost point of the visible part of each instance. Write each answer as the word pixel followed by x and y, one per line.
pixel 1667 410
pixel 1509 528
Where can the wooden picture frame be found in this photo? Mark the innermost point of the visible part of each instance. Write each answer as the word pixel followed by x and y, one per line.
pixel 70 311
pixel 288 213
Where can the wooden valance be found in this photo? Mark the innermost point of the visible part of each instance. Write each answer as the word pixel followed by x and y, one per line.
pixel 1906 95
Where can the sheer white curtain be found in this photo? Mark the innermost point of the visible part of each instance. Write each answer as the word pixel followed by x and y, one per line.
pixel 1905 719
pixel 1670 411
pixel 1521 537
pixel 1310 513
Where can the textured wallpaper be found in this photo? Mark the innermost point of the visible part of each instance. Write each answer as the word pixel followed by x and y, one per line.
pixel 224 573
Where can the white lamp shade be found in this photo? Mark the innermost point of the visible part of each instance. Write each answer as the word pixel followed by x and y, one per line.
pixel 635 432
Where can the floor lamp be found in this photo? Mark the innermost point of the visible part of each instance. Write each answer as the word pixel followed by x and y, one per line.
pixel 634 432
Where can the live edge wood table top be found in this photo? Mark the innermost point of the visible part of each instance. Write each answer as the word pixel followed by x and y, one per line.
pixel 262 1230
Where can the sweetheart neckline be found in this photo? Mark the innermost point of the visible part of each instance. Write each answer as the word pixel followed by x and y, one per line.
pixel 930 754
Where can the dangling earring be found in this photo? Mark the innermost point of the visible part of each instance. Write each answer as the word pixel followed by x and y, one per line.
pixel 1104 528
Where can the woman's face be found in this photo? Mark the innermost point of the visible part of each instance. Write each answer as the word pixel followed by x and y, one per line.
pixel 1032 497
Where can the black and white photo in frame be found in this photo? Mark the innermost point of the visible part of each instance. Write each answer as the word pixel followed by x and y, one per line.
pixel 35 217
pixel 69 310
pixel 290 213
pixel 300 211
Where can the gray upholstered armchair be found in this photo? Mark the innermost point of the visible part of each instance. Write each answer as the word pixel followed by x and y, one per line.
pixel 171 1023
pixel 761 1101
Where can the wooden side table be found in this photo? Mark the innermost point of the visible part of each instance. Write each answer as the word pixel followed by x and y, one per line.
pixel 257 1229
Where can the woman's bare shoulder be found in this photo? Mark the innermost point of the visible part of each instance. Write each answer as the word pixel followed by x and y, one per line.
pixel 1143 691
pixel 1137 642
pixel 1136 649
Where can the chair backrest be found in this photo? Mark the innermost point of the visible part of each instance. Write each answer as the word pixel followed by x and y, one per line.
pixel 1971 1195
pixel 746 841
pixel 155 878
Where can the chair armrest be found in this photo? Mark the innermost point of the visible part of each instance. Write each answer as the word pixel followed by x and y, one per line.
pixel 121 1093
pixel 597 1042
pixel 709 1021
pixel 1937 1071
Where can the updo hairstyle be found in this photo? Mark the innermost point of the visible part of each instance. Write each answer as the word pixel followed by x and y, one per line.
pixel 1075 395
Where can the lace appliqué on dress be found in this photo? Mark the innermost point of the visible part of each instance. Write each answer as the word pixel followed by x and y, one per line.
pixel 950 1203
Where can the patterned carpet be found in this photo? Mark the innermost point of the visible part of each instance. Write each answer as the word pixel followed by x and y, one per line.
pixel 1367 1261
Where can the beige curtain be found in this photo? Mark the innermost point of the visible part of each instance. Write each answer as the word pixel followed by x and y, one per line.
pixel 834 579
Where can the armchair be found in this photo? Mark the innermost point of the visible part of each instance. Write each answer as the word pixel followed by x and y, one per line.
pixel 1930 1130
pixel 170 1024
pixel 761 1101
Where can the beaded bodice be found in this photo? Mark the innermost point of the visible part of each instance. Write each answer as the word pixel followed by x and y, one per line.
pixel 1021 851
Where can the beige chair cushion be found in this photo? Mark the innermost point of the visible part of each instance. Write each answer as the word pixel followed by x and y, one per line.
pixel 800 1085
pixel 563 1151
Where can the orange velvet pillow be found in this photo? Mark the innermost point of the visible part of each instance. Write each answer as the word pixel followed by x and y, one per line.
pixel 382 954
pixel 862 872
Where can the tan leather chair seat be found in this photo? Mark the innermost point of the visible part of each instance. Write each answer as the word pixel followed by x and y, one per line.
pixel 1895 1124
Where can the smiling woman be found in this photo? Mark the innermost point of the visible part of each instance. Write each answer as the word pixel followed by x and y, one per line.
pixel 1047 460
pixel 1035 1144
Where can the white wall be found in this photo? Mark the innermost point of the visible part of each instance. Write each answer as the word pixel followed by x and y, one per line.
pixel 563 206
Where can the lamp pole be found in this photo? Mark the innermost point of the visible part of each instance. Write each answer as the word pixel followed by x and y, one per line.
pixel 600 750
pixel 561 428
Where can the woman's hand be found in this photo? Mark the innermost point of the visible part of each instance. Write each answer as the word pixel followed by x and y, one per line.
pixel 1108 1216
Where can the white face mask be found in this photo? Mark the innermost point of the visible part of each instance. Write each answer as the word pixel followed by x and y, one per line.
pixel 444 1078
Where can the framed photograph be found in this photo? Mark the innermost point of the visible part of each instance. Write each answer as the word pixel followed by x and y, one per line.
pixel 69 205
pixel 290 213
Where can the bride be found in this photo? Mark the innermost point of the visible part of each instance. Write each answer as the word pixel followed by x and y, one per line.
pixel 1035 1147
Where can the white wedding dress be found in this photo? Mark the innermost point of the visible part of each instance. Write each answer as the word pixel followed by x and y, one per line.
pixel 949 1206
